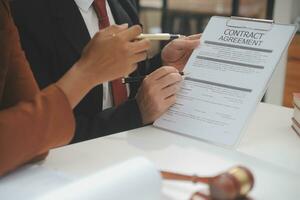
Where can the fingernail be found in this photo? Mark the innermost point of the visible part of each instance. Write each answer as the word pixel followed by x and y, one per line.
pixel 124 25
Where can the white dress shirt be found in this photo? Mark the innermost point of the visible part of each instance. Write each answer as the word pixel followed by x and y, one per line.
pixel 92 23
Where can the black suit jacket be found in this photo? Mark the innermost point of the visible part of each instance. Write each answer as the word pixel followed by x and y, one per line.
pixel 53 35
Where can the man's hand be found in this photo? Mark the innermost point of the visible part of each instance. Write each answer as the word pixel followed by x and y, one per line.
pixel 157 93
pixel 177 52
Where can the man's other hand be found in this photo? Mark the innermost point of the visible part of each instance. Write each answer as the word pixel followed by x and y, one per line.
pixel 178 51
pixel 158 92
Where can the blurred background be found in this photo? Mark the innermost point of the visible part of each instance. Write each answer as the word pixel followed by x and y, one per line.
pixel 191 16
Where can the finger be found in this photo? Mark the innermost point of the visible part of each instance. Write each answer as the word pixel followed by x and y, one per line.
pixel 133 68
pixel 129 70
pixel 169 79
pixel 131 33
pixel 161 72
pixel 171 90
pixel 136 58
pixel 114 29
pixel 169 101
pixel 194 37
pixel 139 46
pixel 182 44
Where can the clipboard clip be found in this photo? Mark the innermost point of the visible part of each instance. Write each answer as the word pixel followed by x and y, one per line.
pixel 250 23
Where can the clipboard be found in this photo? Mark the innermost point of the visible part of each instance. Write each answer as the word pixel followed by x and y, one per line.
pixel 250 23
pixel 228 74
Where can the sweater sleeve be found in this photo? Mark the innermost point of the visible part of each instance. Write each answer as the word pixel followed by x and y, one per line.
pixel 31 128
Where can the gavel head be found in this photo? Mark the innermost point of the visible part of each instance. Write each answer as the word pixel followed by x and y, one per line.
pixel 234 184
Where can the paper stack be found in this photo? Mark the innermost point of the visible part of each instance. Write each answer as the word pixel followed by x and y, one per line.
pixel 296 118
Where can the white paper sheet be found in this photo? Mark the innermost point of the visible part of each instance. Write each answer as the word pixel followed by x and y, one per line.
pixel 136 179
pixel 30 182
pixel 226 77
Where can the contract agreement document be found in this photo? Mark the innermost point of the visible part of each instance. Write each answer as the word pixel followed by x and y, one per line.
pixel 226 77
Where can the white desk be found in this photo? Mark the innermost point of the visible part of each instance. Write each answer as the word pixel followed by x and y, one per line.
pixel 270 137
pixel 270 149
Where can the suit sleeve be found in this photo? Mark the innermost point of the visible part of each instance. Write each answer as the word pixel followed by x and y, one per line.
pixel 155 63
pixel 113 120
pixel 33 51
pixel 31 122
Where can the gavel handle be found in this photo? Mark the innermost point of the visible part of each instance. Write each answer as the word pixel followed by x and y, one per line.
pixel 181 177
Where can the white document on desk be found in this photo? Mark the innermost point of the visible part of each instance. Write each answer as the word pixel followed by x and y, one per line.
pixel 31 182
pixel 134 179
pixel 226 76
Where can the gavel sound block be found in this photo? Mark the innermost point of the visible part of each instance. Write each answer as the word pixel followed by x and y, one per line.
pixel 233 184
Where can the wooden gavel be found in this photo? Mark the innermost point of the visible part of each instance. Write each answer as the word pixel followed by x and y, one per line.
pixel 233 184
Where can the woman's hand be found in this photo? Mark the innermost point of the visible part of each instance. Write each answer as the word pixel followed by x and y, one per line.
pixel 112 53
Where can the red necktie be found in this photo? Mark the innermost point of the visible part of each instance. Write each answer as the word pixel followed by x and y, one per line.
pixel 119 90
